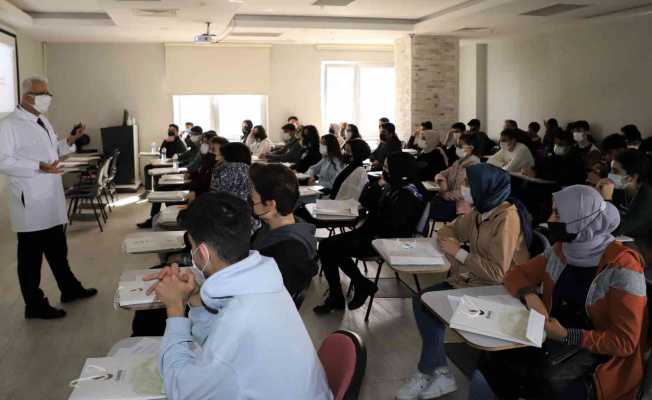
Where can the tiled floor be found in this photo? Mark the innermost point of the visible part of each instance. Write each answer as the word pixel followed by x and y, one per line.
pixel 39 358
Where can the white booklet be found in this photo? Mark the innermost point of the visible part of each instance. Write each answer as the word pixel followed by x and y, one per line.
pixel 132 288
pixel 413 252
pixel 152 242
pixel 514 323
pixel 133 377
pixel 345 208
pixel 174 195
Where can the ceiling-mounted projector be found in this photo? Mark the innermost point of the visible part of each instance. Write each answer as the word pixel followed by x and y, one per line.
pixel 206 37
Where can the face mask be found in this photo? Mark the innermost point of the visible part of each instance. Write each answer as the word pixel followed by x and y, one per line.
pixel 42 103
pixel 457 135
pixel 560 150
pixel 466 193
pixel 285 137
pixel 618 180
pixel 203 149
pixel 198 272
pixel 557 233
pixel 459 152
pixel 578 136
pixel 170 133
pixel 323 150
pixel 349 134
pixel 195 138
pixel 383 137
pixel 504 146
pixel 246 130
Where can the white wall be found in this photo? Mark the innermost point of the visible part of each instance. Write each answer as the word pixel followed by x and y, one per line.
pixel 600 72
pixel 95 82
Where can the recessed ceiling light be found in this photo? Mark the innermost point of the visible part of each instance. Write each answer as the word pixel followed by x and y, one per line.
pixel 237 1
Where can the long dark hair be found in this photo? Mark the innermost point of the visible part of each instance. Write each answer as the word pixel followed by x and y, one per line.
pixel 333 147
pixel 355 133
pixel 310 137
pixel 260 134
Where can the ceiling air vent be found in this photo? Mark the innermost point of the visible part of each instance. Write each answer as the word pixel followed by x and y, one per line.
pixel 554 10
pixel 156 12
pixel 473 29
pixel 332 3
pixel 256 34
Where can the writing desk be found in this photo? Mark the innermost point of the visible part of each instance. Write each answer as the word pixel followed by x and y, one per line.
pixel 154 242
pixel 438 303
pixel 166 171
pixel 170 196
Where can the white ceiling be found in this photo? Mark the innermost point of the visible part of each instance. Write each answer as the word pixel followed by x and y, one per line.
pixel 295 21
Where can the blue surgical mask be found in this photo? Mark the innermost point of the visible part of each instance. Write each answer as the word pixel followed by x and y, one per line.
pixel 618 180
pixel 198 272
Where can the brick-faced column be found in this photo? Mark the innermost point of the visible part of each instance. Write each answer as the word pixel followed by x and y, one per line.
pixel 427 82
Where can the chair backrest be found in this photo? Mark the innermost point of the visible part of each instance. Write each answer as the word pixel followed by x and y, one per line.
pixel 113 168
pixel 103 174
pixel 344 358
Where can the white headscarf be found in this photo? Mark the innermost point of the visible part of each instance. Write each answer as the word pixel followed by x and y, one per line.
pixel 585 213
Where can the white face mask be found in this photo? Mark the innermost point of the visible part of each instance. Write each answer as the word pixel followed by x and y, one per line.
pixel 198 272
pixel 42 103
pixel 460 152
pixel 618 180
pixel 323 150
pixel 560 150
pixel 504 146
pixel 195 138
pixel 579 136
pixel 203 149
pixel 285 137
pixel 466 193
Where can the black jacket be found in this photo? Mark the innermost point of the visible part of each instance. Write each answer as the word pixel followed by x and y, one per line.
pixel 565 170
pixel 309 157
pixel 393 212
pixel 383 150
pixel 290 153
pixel 174 147
pixel 430 164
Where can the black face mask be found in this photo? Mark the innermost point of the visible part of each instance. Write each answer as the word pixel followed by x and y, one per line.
pixel 347 158
pixel 171 133
pixel 557 233
pixel 246 130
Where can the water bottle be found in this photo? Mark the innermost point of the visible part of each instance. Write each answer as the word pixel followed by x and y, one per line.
pixel 164 153
pixel 152 147
pixel 175 161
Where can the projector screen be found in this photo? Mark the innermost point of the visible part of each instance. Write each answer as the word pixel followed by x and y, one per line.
pixel 8 73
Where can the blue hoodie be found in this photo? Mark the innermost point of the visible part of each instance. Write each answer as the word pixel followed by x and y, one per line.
pixel 253 342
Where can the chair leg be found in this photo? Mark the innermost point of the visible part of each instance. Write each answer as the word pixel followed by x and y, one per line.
pixel 70 208
pixel 371 299
pixel 108 202
pixel 417 284
pixel 97 217
pixel 432 228
pixel 100 205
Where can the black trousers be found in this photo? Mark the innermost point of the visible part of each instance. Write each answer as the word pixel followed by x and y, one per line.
pixel 335 253
pixel 31 248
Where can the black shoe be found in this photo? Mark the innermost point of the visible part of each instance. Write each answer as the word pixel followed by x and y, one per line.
pixel 45 311
pixel 361 292
pixel 145 225
pixel 78 295
pixel 330 305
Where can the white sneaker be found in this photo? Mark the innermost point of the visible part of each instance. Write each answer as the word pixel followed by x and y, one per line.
pixel 413 388
pixel 443 382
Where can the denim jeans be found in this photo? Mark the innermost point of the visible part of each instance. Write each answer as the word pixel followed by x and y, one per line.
pixel 479 388
pixel 432 331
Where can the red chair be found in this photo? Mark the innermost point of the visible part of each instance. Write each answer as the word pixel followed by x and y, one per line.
pixel 344 358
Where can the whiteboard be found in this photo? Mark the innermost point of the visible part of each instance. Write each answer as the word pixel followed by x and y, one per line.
pixel 8 73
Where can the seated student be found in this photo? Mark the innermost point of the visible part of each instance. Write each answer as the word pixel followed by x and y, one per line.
pixel 258 142
pixel 510 124
pixel 172 143
pixel 613 145
pixel 200 180
pixel 186 133
pixel 389 143
pixel 513 156
pixel 417 141
pixel 451 139
pixel 497 232
pixel 432 159
pixel 352 132
pixel 450 202
pixel 233 174
pixel 350 182
pixel 290 242
pixel 536 145
pixel 247 126
pixel 330 165
pixel 485 144
pixel 589 153
pixel 564 166
pixel 594 300
pixel 189 157
pixel 395 205
pixel 290 151
pixel 241 315
pixel 341 135
pixel 632 136
pixel 310 154
pixel 552 127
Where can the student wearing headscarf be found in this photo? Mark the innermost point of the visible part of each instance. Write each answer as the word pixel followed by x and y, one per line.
pixel 432 159
pixel 594 300
pixel 233 175
pixel 497 231
pixel 353 178
pixel 395 206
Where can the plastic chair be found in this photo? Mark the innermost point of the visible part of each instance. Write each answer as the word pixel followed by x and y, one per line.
pixel 91 194
pixel 344 358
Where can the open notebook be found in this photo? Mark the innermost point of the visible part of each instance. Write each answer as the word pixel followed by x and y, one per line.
pixel 174 195
pixel 152 242
pixel 412 252
pixel 345 208
pixel 499 319
pixel 125 377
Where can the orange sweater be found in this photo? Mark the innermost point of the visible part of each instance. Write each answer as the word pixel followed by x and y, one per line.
pixel 616 305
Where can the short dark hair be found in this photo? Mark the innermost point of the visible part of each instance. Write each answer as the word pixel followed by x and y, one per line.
pixel 190 123
pixel 632 134
pixel 635 162
pixel 535 126
pixel 510 134
pixel 474 123
pixel 175 126
pixel 219 140
pixel 248 123
pixel 236 152
pixel 289 128
pixel 552 123
pixel 383 120
pixel 223 222
pixel 584 125
pixel 389 127
pixel 292 117
pixel 512 122
pixel 208 135
pixel 615 141
pixel 276 182
pixel 197 130
pixel 471 140
pixel 564 136
pixel 427 125
pixel 459 126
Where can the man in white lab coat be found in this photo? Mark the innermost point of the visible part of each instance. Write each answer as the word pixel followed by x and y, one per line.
pixel 29 157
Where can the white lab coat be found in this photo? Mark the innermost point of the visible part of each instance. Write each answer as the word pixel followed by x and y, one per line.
pixel 36 199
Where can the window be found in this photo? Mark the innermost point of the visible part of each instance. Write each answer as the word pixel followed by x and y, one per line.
pixel 359 94
pixel 221 113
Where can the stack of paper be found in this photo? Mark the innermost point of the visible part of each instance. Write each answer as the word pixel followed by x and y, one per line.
pixel 125 377
pixel 431 186
pixel 308 191
pixel 73 163
pixel 344 208
pixel 496 319
pixel 153 242
pixel 417 252
pixel 302 176
pixel 174 195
